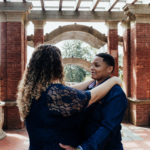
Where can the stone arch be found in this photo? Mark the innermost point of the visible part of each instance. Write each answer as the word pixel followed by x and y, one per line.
pixel 79 62
pixel 74 32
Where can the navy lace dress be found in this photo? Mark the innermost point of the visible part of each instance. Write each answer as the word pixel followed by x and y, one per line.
pixel 56 118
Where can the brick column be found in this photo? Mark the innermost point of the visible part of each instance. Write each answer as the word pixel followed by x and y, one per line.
pixel 38 32
pixel 3 58
pixel 126 57
pixel 12 64
pixel 112 39
pixel 140 70
pixel 25 43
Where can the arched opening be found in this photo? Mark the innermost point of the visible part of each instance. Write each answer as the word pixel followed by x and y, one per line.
pixel 74 32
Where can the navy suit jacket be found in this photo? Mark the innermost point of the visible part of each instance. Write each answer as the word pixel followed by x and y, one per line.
pixel 103 126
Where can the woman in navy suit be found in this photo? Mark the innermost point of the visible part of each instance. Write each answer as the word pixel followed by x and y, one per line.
pixel 53 112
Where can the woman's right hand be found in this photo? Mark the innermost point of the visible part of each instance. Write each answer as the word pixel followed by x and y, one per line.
pixel 117 80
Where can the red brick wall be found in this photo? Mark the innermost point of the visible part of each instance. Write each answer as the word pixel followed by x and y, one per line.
pixel 140 62
pixel 13 67
pixel 38 37
pixel 12 118
pixel 140 73
pixel 113 47
pixel 133 62
pixel 143 61
pixel 3 61
pixel 126 61
pixel 140 114
pixel 15 57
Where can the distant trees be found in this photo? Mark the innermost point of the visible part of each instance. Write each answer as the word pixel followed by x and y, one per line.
pixel 76 49
pixel 74 73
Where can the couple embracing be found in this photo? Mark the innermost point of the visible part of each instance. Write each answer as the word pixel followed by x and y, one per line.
pixel 85 116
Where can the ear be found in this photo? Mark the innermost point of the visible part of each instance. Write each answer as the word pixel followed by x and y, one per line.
pixel 110 69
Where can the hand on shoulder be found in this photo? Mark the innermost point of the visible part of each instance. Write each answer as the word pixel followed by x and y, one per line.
pixel 117 80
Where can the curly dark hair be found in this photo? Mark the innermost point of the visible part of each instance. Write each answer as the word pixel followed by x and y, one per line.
pixel 44 68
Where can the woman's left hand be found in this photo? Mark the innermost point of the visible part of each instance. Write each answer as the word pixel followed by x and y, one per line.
pixel 67 147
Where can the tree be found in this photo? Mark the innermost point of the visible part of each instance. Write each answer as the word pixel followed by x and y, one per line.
pixel 74 73
pixel 76 49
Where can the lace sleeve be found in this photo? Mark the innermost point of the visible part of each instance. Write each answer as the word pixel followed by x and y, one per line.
pixel 65 100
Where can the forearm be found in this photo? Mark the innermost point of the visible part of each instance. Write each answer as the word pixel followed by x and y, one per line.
pixel 100 91
pixel 82 85
pixel 97 140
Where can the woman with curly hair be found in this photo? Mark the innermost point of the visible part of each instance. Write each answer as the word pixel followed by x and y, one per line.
pixel 53 113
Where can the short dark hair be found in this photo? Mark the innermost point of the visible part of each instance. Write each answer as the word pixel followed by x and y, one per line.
pixel 108 59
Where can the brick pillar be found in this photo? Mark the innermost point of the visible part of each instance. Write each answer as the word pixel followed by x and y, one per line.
pixel 126 57
pixel 3 59
pixel 25 43
pixel 126 64
pixel 12 64
pixel 112 39
pixel 140 70
pixel 38 32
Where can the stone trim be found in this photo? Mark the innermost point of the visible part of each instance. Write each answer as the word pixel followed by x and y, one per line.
pixel 2 133
pixel 137 8
pixel 138 13
pixel 15 7
pixel 136 101
pixel 125 25
pixel 79 16
pixel 8 103
pixel 38 24
pixel 112 25
pixel 14 12
pixel 12 17
pixel 2 103
pixel 2 17
pixel 142 18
